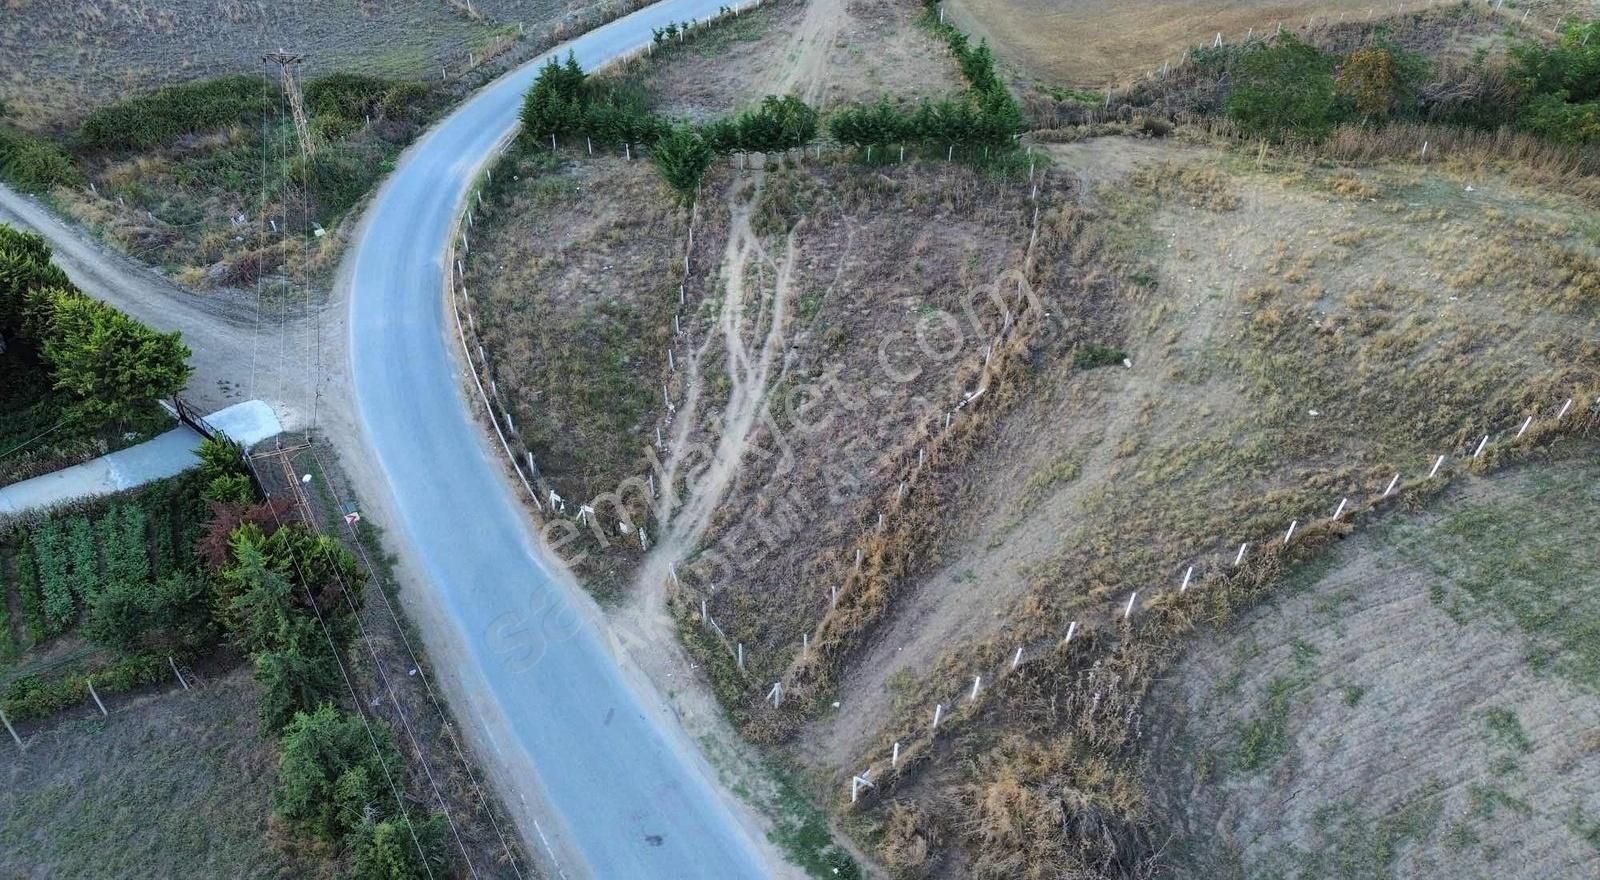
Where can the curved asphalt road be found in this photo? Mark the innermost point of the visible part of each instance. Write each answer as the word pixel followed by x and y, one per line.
pixel 628 798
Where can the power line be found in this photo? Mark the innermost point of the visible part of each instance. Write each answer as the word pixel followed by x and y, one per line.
pixel 416 664
pixel 333 648
pixel 355 614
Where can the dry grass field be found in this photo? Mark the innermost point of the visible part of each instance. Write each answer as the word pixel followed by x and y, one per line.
pixel 1096 43
pixel 1296 334
pixel 832 51
pixel 1424 701
pixel 172 784
pixel 1220 343
pixel 64 59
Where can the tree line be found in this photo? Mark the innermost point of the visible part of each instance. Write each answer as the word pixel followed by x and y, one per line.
pixel 987 115
pixel 564 101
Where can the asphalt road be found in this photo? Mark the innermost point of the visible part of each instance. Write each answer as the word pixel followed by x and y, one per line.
pixel 626 795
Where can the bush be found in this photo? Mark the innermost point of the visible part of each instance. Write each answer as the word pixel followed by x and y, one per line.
pixel 1088 357
pixel 25 271
pixel 336 179
pixel 387 850
pixel 113 365
pixel 872 125
pixel 166 114
pixel 29 597
pixel 85 570
pixel 124 535
pixel 1381 81
pixel 354 96
pixel 33 164
pixel 299 677
pixel 220 457
pixel 777 124
pixel 1285 89
pixel 331 772
pixel 230 489
pixel 172 614
pixel 32 696
pixel 55 586
pixel 554 104
pixel 682 159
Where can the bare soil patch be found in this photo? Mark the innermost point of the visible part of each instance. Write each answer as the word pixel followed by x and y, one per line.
pixel 830 52
pixel 1423 702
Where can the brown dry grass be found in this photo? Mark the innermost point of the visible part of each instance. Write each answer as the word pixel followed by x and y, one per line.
pixel 65 59
pixel 577 330
pixel 881 252
pixel 1298 325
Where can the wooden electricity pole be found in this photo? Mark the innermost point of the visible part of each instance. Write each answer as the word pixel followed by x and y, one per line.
pixel 286 62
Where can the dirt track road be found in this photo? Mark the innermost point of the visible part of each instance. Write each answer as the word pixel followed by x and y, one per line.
pixel 238 354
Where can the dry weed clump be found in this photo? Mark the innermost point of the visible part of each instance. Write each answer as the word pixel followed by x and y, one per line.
pixel 1350 185
pixel 1197 185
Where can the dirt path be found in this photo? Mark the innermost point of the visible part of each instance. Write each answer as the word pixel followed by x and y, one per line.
pixel 806 73
pixel 748 332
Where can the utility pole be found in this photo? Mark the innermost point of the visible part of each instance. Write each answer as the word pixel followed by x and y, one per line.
pixel 287 61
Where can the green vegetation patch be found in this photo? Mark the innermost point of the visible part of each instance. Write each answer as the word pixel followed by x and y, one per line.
pixel 1511 561
pixel 164 115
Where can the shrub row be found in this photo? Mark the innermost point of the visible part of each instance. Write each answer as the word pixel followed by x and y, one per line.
pixel 565 102
pixel 164 115
pixel 1285 88
pixel 987 115
pixel 33 696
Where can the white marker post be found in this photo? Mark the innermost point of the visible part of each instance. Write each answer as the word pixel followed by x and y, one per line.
pixel 1524 429
pixel 976 680
pixel 174 664
pixel 1392 483
pixel 1071 628
pixel 859 782
pixel 1481 443
pixel 90 683
pixel 938 712
pixel 775 696
pixel 1128 611
pixel 1016 658
pixel 1187 575
pixel 894 757
pixel 1339 511
pixel 740 656
pixel 1564 407
pixel 1436 464
pixel 1290 534
pixel 1240 556
pixel 835 602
